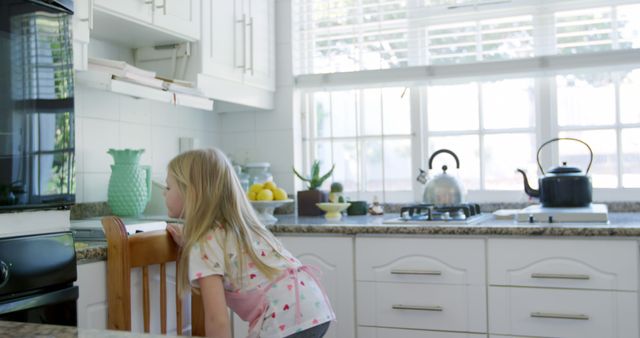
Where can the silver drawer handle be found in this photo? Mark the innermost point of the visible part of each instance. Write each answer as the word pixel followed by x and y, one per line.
pixel 559 315
pixel 416 307
pixel 559 276
pixel 415 272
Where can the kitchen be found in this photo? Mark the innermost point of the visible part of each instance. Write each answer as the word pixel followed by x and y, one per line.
pixel 376 89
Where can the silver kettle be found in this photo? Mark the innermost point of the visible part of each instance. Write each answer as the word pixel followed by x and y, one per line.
pixel 442 189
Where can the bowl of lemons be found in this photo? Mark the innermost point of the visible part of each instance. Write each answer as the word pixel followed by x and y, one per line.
pixel 265 198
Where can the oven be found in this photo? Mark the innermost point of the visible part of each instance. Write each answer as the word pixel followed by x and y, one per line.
pixel 37 273
pixel 37 105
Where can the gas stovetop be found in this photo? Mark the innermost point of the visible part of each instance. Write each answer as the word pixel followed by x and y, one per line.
pixel 432 214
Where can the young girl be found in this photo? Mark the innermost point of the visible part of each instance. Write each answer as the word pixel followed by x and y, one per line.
pixel 233 259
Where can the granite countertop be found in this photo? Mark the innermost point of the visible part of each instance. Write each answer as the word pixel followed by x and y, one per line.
pixel 620 225
pixel 22 330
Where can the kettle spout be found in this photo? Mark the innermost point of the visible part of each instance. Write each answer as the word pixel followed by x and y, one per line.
pixel 527 188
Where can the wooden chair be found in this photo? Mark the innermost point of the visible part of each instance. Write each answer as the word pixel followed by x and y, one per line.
pixel 142 250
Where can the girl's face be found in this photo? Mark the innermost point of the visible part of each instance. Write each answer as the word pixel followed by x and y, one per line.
pixel 173 198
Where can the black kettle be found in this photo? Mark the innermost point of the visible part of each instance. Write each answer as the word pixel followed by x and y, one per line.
pixel 562 186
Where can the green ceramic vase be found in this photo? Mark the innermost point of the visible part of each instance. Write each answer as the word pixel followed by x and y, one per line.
pixel 129 184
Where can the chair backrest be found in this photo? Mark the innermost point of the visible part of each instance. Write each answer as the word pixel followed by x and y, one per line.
pixel 142 250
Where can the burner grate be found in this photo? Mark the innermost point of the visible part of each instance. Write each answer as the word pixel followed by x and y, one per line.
pixel 431 212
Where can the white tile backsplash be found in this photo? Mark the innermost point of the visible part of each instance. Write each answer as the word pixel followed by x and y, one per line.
pixel 95 187
pixel 106 120
pixel 134 110
pixel 99 136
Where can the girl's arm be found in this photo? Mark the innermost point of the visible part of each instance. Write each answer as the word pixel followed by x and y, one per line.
pixel 216 315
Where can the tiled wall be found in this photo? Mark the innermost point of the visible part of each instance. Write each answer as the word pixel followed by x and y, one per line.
pixel 106 120
pixel 269 136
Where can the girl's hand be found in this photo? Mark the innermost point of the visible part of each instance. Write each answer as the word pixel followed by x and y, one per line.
pixel 175 230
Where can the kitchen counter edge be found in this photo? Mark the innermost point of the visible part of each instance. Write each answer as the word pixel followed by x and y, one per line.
pixel 620 225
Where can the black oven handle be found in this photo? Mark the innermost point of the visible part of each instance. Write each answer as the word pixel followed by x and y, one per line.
pixel 34 301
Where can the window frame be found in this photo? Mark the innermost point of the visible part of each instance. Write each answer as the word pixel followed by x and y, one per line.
pixel 546 125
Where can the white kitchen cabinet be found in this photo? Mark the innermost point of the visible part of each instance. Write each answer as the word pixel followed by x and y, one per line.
pixel 563 288
pixel 334 256
pixel 563 313
pixel 237 52
pixel 378 332
pixel 178 17
pixel 260 55
pixel 581 264
pixel 92 300
pixel 81 22
pixel 421 284
pixel 135 10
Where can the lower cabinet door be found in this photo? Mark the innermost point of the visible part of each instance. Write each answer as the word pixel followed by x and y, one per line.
pixel 563 313
pixel 378 332
pixel 422 306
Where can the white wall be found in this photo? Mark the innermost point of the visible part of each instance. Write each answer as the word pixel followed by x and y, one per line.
pixel 107 120
pixel 269 136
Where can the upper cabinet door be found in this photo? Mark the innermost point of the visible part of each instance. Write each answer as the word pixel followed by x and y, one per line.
pixel 260 56
pixel 178 16
pixel 138 10
pixel 223 36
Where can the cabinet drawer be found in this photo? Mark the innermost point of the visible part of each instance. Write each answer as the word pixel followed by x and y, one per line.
pixel 563 313
pixel 420 260
pixel 577 264
pixel 378 332
pixel 421 306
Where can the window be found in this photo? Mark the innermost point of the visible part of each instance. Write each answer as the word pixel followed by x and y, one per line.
pixel 490 81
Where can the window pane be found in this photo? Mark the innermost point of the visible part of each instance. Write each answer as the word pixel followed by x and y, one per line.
pixel 397 165
pixel 452 107
pixel 587 30
pixel 343 113
pixel 503 154
pixel 630 98
pixel 322 151
pixel 586 100
pixel 370 114
pixel 468 152
pixel 508 104
pixel 345 158
pixel 372 168
pixel 507 38
pixel 629 26
pixel 631 158
pixel 604 170
pixel 322 109
pixel 395 110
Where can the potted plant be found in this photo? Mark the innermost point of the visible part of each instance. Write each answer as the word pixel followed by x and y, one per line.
pixel 307 199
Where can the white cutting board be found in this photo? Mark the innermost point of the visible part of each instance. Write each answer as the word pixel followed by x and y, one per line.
pixel 594 213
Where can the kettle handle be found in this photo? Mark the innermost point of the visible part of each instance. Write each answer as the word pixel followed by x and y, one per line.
pixel 444 151
pixel 568 139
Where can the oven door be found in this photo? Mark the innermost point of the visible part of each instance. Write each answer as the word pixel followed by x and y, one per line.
pixel 56 307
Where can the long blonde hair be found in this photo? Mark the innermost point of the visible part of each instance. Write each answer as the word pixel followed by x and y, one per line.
pixel 213 197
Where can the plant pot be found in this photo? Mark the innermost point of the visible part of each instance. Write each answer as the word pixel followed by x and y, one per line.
pixel 307 200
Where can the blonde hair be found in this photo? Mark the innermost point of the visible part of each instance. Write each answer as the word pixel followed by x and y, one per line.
pixel 213 197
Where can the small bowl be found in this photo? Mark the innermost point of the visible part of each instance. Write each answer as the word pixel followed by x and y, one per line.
pixel 333 210
pixel 265 209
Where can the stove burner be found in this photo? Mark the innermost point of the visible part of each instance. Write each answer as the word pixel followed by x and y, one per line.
pixel 431 212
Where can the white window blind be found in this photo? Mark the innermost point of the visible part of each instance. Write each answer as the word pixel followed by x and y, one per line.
pixel 332 36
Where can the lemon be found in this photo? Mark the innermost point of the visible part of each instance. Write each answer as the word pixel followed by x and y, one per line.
pixel 279 194
pixel 265 195
pixel 256 187
pixel 270 185
pixel 251 195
